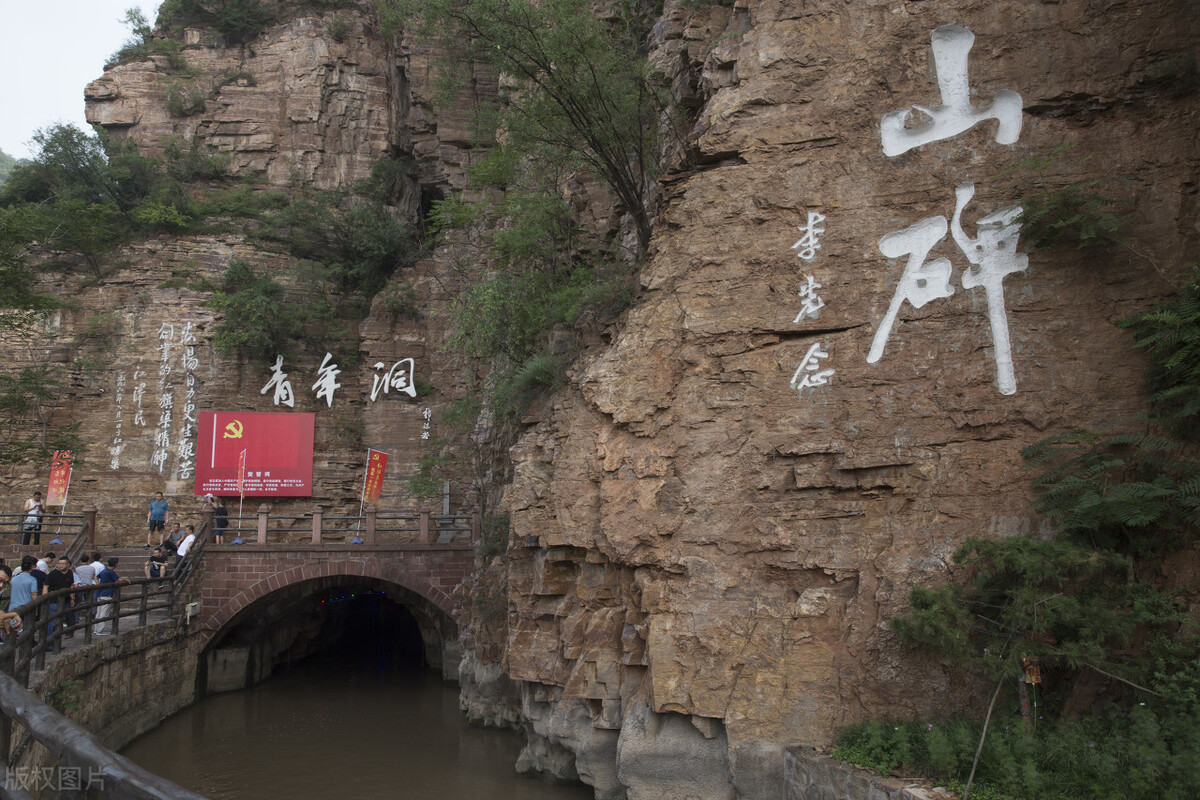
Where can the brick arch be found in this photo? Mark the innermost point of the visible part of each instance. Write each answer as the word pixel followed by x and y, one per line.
pixel 393 573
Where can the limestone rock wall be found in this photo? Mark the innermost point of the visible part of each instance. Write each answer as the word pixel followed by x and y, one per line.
pixel 810 405
pixel 720 514
pixel 296 105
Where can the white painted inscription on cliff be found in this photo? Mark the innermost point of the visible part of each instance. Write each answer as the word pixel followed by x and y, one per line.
pixel 993 253
pixel 810 241
pixel 282 386
pixel 920 282
pixel 327 382
pixel 810 372
pixel 399 377
pixel 993 256
pixel 810 302
pixel 951 48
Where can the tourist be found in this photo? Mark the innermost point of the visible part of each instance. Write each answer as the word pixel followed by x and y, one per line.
pixel 33 519
pixel 171 543
pixel 181 553
pixel 156 565
pixel 61 577
pixel 44 563
pixel 5 587
pixel 86 573
pixel 106 596
pixel 220 521
pixel 39 571
pixel 24 584
pixel 157 516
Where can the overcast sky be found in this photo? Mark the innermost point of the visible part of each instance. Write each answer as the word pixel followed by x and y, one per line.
pixel 50 50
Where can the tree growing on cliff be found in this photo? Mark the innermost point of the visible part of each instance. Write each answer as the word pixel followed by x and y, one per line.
pixel 575 88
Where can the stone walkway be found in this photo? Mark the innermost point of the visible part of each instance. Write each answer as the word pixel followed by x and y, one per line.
pixel 130 566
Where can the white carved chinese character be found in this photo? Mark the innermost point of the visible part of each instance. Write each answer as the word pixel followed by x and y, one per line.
pixel 186 336
pixel 951 46
pixel 282 386
pixel 399 377
pixel 994 255
pixel 327 383
pixel 159 459
pixel 920 282
pixel 809 244
pixel 809 373
pixel 811 301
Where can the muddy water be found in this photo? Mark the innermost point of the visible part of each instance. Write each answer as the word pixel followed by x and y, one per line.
pixel 323 730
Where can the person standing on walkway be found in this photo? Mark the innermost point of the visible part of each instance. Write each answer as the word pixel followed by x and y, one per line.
pixel 157 516
pixel 220 520
pixel 61 577
pixel 33 519
pixel 181 553
pixel 107 597
pixel 85 575
pixel 24 585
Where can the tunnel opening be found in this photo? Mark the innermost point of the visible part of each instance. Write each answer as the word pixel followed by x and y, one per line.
pixel 345 624
pixel 367 627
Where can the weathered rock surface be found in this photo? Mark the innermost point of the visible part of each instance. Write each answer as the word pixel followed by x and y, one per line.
pixel 685 520
pixel 713 522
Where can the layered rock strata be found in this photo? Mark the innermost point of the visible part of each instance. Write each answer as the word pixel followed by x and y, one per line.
pixel 840 347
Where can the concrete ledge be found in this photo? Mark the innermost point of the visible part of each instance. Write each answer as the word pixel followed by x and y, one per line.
pixel 809 776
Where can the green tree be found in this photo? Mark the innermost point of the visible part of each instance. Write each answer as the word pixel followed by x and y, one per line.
pixel 583 91
pixel 257 319
pixel 1089 597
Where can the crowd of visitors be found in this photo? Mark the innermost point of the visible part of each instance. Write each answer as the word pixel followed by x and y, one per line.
pixel 51 573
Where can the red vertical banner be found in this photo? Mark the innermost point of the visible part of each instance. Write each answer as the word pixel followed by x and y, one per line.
pixel 376 466
pixel 60 478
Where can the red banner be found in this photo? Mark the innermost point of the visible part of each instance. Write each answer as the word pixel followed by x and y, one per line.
pixel 60 478
pixel 277 460
pixel 376 466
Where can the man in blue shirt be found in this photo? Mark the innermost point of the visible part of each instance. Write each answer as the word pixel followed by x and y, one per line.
pixel 107 596
pixel 156 517
pixel 24 584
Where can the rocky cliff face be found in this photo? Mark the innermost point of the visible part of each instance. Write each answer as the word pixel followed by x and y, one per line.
pixel 713 524
pixel 838 351
pixel 298 106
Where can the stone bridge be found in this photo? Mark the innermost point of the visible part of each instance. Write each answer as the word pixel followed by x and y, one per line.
pixel 274 596
pixel 233 578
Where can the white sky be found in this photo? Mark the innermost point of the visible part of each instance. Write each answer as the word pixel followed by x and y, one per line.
pixel 50 50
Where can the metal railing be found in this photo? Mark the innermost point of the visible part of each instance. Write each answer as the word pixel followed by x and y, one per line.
pixel 15 530
pixel 47 622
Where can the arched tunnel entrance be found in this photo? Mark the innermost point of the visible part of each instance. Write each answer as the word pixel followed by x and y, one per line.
pixel 365 622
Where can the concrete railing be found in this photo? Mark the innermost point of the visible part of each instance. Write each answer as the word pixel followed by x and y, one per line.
pixel 85 766
pixel 371 527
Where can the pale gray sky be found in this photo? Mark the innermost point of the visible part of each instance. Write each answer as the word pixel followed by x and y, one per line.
pixel 50 50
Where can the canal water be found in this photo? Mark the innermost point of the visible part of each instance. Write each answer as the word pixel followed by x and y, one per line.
pixel 325 728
